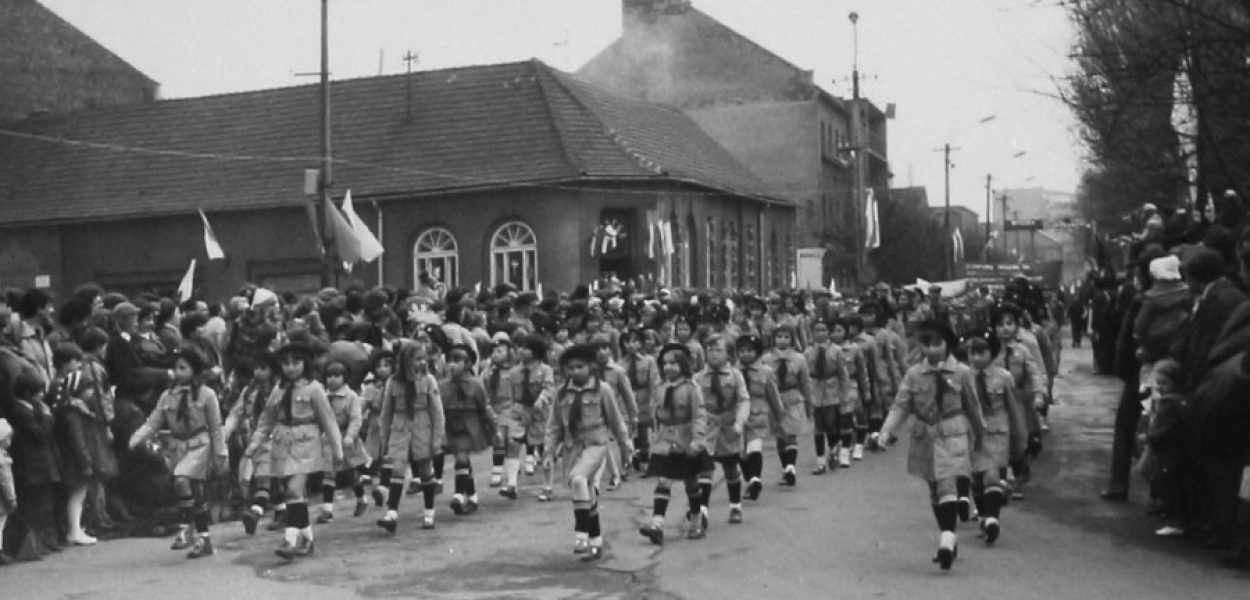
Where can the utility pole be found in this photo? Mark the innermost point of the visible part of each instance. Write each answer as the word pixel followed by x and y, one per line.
pixel 860 227
pixel 988 218
pixel 327 179
pixel 948 255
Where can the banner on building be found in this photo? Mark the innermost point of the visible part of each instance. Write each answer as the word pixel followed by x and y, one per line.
pixel 872 221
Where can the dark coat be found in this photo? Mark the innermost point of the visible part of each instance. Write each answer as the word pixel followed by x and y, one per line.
pixel 82 429
pixel 1127 367
pixel 36 460
pixel 1215 308
pixel 138 374
pixel 1219 411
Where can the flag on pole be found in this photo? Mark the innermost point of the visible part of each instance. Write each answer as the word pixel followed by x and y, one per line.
pixel 188 283
pixel 210 240
pixel 957 244
pixel 370 247
pixel 345 240
pixel 666 232
pixel 872 222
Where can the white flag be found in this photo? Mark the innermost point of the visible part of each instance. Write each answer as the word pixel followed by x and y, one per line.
pixel 872 222
pixel 211 246
pixel 666 230
pixel 188 283
pixel 957 245
pixel 370 247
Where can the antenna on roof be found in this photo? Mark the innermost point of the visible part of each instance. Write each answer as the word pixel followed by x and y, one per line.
pixel 408 59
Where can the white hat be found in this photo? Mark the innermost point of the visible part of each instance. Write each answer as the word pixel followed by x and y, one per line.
pixel 1167 268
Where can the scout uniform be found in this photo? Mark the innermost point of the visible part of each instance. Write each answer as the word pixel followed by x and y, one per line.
pixel 762 422
pixel 727 404
pixel 829 385
pixel 794 387
pixel 679 452
pixel 412 424
pixel 643 374
pixel 471 427
pixel 1005 436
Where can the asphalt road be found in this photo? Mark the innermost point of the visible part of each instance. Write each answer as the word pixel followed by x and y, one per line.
pixel 863 532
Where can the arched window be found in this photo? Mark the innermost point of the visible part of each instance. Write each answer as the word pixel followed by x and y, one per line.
pixel 514 256
pixel 436 253
pixel 713 273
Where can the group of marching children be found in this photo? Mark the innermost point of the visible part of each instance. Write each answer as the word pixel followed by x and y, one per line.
pixel 671 399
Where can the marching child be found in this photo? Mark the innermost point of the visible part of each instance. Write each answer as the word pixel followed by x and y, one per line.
pixel 189 410
pixel 1026 368
pixel 411 425
pixel 857 388
pixel 501 401
pixel 829 385
pixel 684 333
pixel 347 407
pixel 584 419
pixel 794 385
pixel 471 425
pixel 296 416
pixel 869 417
pixel 531 381
pixel 727 404
pixel 612 374
pixel 1006 435
pixel 680 448
pixel 254 471
pixel 765 412
pixel 381 367
pixel 644 375
pixel 948 428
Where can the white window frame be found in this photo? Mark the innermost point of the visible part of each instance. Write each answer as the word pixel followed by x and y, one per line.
pixel 514 238
pixel 431 250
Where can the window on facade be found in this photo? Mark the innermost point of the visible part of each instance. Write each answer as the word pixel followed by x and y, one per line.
pixel 776 273
pixel 751 256
pixel 514 256
pixel 436 253
pixel 713 272
pixel 730 250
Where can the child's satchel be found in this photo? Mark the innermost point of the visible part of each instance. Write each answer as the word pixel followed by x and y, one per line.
pixel 1244 494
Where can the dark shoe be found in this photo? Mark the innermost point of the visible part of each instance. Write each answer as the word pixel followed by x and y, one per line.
pixel 753 490
pixel 789 479
pixel 696 533
pixel 379 497
pixel 183 540
pixel 427 523
pixel 250 519
pixel 735 515
pixel 203 547
pixel 286 550
pixel 1112 496
pixel 991 531
pixel 944 558
pixel 509 493
pixel 820 469
pixel 325 517
pixel 279 521
pixel 653 533
pixel 593 553
pixel 457 506
pixel 390 525
pixel 289 552
pixel 5 559
pixel 470 507
pixel 361 507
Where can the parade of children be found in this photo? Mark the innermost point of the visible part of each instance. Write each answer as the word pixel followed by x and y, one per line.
pixel 316 404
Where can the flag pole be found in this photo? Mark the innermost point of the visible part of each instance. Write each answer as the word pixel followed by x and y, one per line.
pixel 326 180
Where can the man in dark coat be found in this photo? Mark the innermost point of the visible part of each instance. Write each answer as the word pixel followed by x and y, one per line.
pixel 1218 417
pixel 1217 299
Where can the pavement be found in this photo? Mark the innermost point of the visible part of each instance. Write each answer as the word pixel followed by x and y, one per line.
pixel 863 532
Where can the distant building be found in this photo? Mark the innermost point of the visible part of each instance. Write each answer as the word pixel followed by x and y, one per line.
pixel 498 174
pixel 1063 237
pixel 48 65
pixel 766 111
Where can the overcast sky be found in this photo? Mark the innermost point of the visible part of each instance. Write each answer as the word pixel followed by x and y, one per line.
pixel 947 65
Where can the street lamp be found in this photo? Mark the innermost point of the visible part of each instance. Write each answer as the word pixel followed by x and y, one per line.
pixel 857 153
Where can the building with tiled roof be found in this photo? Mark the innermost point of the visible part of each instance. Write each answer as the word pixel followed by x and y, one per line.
pixel 768 112
pixel 48 65
pixel 490 174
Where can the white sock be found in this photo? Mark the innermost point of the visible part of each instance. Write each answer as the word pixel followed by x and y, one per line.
pixel 657 521
pixel 307 533
pixel 512 469
pixel 429 514
pixel 257 509
pixel 473 498
pixel 458 498
pixel 737 506
pixel 596 542
pixel 280 507
pixel 327 507
pixel 581 536
pixel 392 515
pixel 292 535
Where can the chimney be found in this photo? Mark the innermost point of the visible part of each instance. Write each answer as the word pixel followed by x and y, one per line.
pixel 645 12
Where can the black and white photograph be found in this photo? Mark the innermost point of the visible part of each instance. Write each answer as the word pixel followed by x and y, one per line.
pixel 625 299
